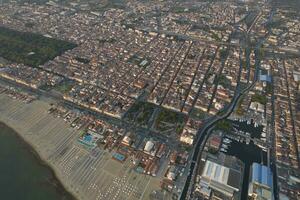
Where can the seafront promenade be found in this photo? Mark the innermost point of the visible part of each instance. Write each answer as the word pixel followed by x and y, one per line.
pixel 87 175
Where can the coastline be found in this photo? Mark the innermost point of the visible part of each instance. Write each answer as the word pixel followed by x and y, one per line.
pixel 16 119
pixel 84 174
pixel 55 179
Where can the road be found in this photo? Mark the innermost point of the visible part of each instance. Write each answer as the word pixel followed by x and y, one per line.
pixel 291 112
pixel 273 140
pixel 193 79
pixel 204 79
pixel 204 133
pixel 283 49
pixel 176 73
pixel 59 98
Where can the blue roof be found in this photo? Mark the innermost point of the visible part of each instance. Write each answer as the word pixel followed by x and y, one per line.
pixel 262 174
pixel 266 78
pixel 119 156
pixel 139 169
pixel 88 138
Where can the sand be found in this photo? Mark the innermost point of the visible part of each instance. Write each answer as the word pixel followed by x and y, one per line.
pixel 86 177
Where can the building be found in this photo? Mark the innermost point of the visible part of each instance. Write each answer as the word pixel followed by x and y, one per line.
pixel 149 146
pixel 258 107
pixel 186 138
pixel 261 183
pixel 214 143
pixel 172 173
pixel 221 178
pixel 127 139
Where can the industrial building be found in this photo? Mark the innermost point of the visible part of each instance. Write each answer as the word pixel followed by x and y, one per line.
pixel 221 178
pixel 260 183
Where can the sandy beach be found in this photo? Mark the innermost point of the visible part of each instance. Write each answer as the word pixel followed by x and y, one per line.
pixel 87 176
pixel 19 126
pixel 21 163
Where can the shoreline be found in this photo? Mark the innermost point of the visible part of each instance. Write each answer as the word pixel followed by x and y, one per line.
pixel 55 179
pixel 84 175
pixel 17 120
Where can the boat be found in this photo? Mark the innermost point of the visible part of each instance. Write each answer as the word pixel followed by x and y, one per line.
pixel 235 125
pixel 225 146
pixel 227 141
pixel 247 141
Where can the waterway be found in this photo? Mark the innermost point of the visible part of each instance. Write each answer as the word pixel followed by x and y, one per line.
pixel 255 132
pixel 23 176
pixel 247 153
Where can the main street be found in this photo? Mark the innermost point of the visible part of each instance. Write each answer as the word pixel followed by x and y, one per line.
pixel 56 97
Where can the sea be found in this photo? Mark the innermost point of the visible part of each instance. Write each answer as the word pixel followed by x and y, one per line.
pixel 23 176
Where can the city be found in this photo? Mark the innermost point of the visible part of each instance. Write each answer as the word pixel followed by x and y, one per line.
pixel 144 99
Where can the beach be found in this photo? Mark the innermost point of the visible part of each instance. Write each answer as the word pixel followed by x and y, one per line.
pixel 85 174
pixel 12 114
pixel 19 164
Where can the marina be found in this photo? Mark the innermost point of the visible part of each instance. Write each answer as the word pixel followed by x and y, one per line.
pixel 247 145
